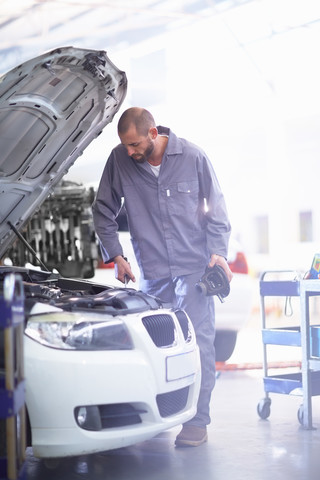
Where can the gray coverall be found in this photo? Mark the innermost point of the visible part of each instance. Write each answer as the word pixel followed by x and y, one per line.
pixel 176 221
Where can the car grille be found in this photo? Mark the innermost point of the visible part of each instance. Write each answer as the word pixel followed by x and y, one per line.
pixel 172 402
pixel 184 324
pixel 161 329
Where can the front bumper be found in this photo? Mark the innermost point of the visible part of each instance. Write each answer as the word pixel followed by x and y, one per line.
pixel 161 384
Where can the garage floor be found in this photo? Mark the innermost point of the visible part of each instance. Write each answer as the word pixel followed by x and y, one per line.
pixel 240 445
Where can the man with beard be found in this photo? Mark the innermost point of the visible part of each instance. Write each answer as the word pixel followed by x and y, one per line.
pixel 178 224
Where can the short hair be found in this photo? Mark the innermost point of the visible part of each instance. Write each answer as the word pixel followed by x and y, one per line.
pixel 139 117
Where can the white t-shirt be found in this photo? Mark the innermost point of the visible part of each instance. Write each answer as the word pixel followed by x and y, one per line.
pixel 155 169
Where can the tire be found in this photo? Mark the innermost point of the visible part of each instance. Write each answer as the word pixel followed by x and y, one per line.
pixel 224 343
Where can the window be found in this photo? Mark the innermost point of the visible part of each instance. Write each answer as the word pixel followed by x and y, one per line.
pixel 305 226
pixel 262 234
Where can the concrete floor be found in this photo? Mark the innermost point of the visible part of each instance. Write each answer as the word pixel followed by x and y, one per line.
pixel 240 445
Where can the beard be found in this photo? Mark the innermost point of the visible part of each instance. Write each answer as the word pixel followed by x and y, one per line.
pixel 143 157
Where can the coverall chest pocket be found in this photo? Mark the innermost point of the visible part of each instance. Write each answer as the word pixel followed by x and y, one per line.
pixel 183 198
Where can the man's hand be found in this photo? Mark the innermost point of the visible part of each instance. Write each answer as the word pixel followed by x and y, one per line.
pixel 217 259
pixel 122 269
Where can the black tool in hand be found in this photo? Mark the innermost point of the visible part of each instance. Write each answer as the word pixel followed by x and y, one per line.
pixel 214 282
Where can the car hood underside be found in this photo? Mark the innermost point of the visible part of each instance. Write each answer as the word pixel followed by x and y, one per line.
pixel 51 108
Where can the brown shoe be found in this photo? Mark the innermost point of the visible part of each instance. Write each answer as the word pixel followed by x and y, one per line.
pixel 191 436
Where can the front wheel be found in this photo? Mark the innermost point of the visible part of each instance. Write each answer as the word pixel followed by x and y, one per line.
pixel 224 343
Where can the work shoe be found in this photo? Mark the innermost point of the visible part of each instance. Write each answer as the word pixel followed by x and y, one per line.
pixel 191 436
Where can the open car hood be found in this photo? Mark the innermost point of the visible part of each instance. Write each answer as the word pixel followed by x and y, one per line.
pixel 51 108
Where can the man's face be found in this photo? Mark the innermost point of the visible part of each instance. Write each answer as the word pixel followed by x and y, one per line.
pixel 138 146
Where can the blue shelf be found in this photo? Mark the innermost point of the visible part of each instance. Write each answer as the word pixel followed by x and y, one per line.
pixel 12 383
pixel 291 383
pixel 290 336
pixel 306 382
pixel 288 288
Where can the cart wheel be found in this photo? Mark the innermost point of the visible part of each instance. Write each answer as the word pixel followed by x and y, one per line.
pixel 300 415
pixel 263 408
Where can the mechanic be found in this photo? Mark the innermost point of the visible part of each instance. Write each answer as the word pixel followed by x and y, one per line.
pixel 178 224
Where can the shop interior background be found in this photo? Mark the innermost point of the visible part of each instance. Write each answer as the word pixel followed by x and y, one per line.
pixel 240 78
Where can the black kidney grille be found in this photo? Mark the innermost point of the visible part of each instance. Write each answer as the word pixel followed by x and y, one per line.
pixel 161 329
pixel 172 402
pixel 184 324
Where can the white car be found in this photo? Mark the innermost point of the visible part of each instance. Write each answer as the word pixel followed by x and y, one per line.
pixel 105 367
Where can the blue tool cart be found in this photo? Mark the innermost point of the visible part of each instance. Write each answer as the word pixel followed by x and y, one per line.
pixel 306 382
pixel 12 397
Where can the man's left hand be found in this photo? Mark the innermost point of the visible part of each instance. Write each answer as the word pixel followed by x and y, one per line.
pixel 219 260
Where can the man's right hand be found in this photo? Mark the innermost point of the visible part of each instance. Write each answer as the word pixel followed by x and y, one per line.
pixel 122 269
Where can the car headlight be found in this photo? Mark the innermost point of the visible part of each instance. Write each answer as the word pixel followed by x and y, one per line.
pixel 70 331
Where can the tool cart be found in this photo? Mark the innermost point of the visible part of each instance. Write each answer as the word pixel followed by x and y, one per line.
pixel 306 382
pixel 12 385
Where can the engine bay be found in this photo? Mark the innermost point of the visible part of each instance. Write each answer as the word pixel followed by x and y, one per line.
pixel 73 295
